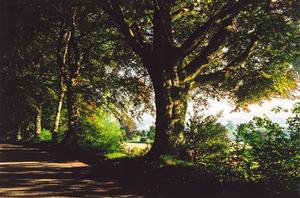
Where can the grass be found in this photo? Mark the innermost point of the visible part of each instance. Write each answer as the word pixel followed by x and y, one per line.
pixel 115 155
pixel 172 160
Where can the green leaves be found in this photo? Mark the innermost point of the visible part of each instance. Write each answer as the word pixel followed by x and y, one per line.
pixel 294 124
pixel 207 139
pixel 272 151
pixel 101 131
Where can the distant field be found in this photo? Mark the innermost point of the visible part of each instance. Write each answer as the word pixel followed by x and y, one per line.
pixel 132 146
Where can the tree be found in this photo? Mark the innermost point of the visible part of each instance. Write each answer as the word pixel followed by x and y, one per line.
pixel 91 63
pixel 57 53
pixel 231 46
pixel 128 125
pixel 25 72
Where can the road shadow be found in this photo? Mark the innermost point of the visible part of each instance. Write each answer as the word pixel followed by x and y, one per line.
pixel 33 172
pixel 60 172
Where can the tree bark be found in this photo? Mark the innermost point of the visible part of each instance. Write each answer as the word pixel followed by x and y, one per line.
pixel 73 113
pixel 70 69
pixel 170 119
pixel 18 125
pixel 38 120
pixel 171 97
pixel 58 112
pixel 19 131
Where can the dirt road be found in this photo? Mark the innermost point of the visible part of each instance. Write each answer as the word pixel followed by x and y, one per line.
pixel 31 172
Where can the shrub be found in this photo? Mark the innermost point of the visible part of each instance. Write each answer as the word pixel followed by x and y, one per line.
pixel 137 151
pixel 151 134
pixel 268 154
pixel 45 135
pixel 59 136
pixel 101 131
pixel 143 140
pixel 206 140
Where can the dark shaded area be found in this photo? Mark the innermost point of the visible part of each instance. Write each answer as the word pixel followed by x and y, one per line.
pixel 155 179
pixel 32 172
pixel 57 171
pixel 175 181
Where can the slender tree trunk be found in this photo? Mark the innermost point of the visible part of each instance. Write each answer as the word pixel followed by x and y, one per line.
pixel 58 111
pixel 73 64
pixel 19 131
pixel 18 122
pixel 60 101
pixel 38 120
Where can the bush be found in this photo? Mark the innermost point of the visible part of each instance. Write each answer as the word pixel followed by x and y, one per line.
pixel 137 151
pixel 59 136
pixel 151 134
pixel 206 140
pixel 45 135
pixel 101 131
pixel 143 140
pixel 268 154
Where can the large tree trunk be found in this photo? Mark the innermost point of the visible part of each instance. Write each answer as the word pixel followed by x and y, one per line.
pixel 170 118
pixel 38 120
pixel 171 105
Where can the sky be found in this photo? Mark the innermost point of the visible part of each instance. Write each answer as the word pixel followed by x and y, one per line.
pixel 254 110
pixel 237 117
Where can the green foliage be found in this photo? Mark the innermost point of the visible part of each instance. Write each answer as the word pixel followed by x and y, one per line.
pixel 45 135
pixel 101 131
pixel 173 160
pixel 147 136
pixel 206 140
pixel 265 152
pixel 151 134
pixel 265 83
pixel 60 135
pixel 129 126
pixel 143 140
pixel 115 155
pixel 294 124
pixel 137 151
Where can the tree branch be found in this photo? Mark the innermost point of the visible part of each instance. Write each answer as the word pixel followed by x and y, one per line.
pixel 63 50
pixel 195 67
pixel 209 79
pixel 230 10
pixel 219 76
pixel 241 57
pixel 114 10
pixel 162 24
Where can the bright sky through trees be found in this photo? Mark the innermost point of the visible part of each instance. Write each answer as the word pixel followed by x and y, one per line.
pixel 254 110
pixel 238 117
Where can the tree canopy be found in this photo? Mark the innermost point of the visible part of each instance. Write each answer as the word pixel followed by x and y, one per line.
pixel 243 49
